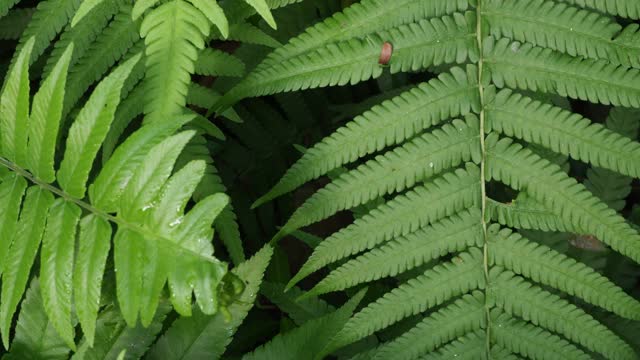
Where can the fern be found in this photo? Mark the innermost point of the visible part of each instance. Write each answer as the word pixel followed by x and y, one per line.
pixel 434 174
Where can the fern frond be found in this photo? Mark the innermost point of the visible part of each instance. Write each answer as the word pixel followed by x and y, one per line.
pixel 299 310
pixel 247 33
pixel 526 213
pixel 360 19
pixel 470 346
pixel 416 46
pixel 215 62
pixel 531 341
pixel 444 196
pixel 524 66
pixel 623 8
pixel 449 235
pixel 563 28
pixel 6 5
pixel 562 131
pixel 434 287
pixel 13 24
pixel 173 33
pixel 415 161
pixel 201 336
pixel 549 267
pixel 464 316
pixel 548 184
pixel 263 10
pixel 449 95
pixel 48 20
pixel 12 190
pixel 521 298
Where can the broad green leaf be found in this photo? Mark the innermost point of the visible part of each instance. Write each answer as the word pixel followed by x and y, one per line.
pixel 113 336
pixel 11 192
pixel 44 121
pixel 35 337
pixel 206 337
pixel 21 255
pixel 108 187
pixel 85 8
pixel 90 129
pixel 262 8
pixel 14 108
pixel 56 266
pixel 93 249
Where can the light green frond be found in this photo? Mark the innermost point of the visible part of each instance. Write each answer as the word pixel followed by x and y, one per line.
pixel 11 191
pixel 531 341
pixel 463 316
pixel 48 20
pixel 204 97
pixel 35 338
pixel 45 118
pixel 22 254
pixel 87 7
pixel 434 287
pixel 173 33
pixel 563 28
pixel 110 45
pixel 94 243
pixel 360 19
pixel 449 95
pixel 14 105
pixel 562 131
pixel 527 67
pixel 214 62
pixel 128 109
pixel 547 183
pixel 549 267
pixel 13 24
pixel 455 233
pixel 89 130
pixel 623 8
pixel 441 197
pixel 141 6
pixel 56 266
pixel 521 298
pixel 201 336
pixel 418 160
pixel 82 35
pixel 107 189
pixel 446 40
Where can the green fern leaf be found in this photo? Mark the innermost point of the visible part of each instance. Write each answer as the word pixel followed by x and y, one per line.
pixel 449 235
pixel 11 191
pixel 94 242
pixel 214 13
pixel 521 298
pixel 527 67
pixel 416 46
pixel 299 310
pixel 393 121
pixel 13 24
pixel 56 268
pixel 35 337
pixel 415 296
pixel 90 129
pixel 6 5
pixel 464 316
pixel 263 9
pixel 415 161
pixel 624 8
pixel 562 132
pixel 548 184
pixel 22 254
pixel 247 33
pixel 201 336
pixel 215 62
pixel 44 122
pixel 14 105
pixel 140 7
pixel 444 196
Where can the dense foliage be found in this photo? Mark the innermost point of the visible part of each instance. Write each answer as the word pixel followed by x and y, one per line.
pixel 289 179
